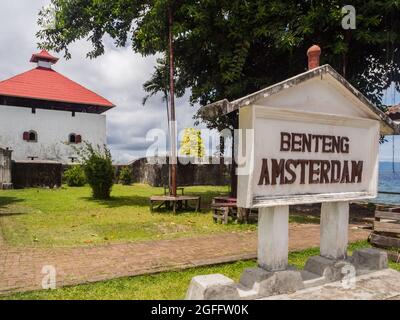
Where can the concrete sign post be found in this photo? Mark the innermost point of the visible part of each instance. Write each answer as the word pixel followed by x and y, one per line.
pixel 291 157
pixel 273 237
pixel 334 229
pixel 309 139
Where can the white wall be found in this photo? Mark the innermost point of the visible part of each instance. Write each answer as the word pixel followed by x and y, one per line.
pixel 53 128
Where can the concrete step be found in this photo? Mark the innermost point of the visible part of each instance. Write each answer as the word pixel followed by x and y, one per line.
pixel 311 279
pixel 246 293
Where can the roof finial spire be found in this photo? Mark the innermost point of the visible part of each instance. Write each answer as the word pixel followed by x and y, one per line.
pixel 44 59
pixel 313 54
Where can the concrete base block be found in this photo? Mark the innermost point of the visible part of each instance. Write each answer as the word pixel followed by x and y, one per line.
pixel 331 270
pixel 311 279
pixel 212 287
pixel 257 282
pixel 281 282
pixel 318 264
pixel 250 276
pixel 246 293
pixel 379 285
pixel 370 259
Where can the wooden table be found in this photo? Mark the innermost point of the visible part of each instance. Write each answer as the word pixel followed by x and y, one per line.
pixel 224 200
pixel 177 202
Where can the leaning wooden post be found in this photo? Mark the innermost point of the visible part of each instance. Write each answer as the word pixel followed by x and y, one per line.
pixel 172 126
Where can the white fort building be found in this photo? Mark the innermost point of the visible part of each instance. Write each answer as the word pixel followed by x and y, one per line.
pixel 43 114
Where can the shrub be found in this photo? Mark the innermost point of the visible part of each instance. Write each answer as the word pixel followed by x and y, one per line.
pixel 125 176
pixel 99 171
pixel 75 176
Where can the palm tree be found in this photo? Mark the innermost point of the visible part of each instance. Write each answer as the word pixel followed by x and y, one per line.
pixel 158 83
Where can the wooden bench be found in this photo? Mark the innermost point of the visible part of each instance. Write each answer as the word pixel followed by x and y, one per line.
pixel 386 233
pixel 177 202
pixel 181 189
pixel 223 208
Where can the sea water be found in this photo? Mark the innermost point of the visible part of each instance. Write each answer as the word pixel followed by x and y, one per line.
pixel 389 181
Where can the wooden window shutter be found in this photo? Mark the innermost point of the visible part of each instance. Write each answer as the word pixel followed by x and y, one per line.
pixel 26 136
pixel 78 138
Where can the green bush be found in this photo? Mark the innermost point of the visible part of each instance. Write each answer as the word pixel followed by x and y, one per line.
pixel 125 176
pixel 99 171
pixel 75 176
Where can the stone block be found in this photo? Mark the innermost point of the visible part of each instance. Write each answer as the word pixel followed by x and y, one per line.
pixel 312 279
pixel 331 270
pixel 281 282
pixel 250 276
pixel 370 259
pixel 212 287
pixel 318 264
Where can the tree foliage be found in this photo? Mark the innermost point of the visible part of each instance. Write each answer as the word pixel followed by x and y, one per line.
pixel 98 168
pixel 226 49
pixel 125 176
pixel 159 83
pixel 192 144
pixel 75 176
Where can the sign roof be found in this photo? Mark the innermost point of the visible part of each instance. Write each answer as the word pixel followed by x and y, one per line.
pixel 224 106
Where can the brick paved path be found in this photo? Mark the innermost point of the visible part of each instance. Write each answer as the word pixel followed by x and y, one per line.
pixel 20 267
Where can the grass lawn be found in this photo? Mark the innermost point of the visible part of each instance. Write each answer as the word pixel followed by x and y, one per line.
pixel 166 285
pixel 69 216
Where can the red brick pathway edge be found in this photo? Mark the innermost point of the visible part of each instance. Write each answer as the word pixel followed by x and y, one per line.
pixel 23 268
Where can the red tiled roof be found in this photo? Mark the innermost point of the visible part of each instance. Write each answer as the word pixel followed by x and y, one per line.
pixel 393 109
pixel 393 112
pixel 43 55
pixel 47 84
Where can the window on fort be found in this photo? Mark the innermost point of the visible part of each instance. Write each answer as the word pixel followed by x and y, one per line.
pixel 30 136
pixel 74 138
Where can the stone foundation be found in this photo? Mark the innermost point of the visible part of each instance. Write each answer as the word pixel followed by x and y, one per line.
pixel 256 283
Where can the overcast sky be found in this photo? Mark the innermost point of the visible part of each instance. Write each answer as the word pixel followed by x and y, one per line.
pixel 118 75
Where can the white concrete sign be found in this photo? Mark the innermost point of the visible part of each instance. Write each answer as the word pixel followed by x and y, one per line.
pixel 292 157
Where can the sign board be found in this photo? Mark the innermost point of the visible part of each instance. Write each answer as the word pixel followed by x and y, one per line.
pixel 290 157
